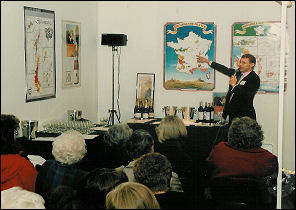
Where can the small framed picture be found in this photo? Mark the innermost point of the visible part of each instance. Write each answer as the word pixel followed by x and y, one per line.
pixel 219 100
pixel 145 86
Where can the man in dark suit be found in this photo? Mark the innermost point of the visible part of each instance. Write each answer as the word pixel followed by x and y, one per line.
pixel 243 85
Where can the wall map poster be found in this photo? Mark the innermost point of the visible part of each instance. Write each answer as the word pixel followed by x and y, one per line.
pixel 182 42
pixel 39 54
pixel 71 54
pixel 261 39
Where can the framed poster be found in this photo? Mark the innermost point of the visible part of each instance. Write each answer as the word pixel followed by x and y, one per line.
pixel 219 100
pixel 145 86
pixel 71 48
pixel 261 39
pixel 182 43
pixel 40 64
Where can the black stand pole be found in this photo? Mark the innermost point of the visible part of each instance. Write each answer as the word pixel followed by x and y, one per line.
pixel 112 111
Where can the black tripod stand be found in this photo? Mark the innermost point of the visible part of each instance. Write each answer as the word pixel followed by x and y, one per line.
pixel 112 111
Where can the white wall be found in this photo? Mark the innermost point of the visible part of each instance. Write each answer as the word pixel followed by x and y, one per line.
pixel 143 23
pixel 13 84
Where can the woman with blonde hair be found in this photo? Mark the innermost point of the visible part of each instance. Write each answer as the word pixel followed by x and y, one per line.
pixel 172 135
pixel 131 195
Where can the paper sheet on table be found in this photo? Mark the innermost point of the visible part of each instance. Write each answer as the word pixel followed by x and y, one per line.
pixel 101 128
pixel 44 139
pixel 36 159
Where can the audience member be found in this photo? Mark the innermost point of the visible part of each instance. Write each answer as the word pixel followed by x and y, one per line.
pixel 242 155
pixel 240 166
pixel 16 168
pixel 155 171
pixel 19 198
pixel 140 143
pixel 67 149
pixel 95 186
pixel 65 197
pixel 110 152
pixel 172 133
pixel 131 195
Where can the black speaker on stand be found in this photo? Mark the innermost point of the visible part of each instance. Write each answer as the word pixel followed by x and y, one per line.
pixel 113 40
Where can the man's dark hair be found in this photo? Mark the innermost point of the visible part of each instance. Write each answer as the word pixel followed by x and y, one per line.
pixel 9 125
pixel 153 170
pixel 251 58
pixel 96 185
pixel 140 143
pixel 245 133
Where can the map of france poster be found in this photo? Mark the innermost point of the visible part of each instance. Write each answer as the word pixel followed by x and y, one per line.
pixel 261 39
pixel 39 54
pixel 182 43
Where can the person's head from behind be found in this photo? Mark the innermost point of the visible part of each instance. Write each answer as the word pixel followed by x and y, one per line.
pixel 171 127
pixel 95 186
pixel 153 170
pixel 245 133
pixel 131 195
pixel 247 63
pixel 118 134
pixel 64 197
pixel 9 128
pixel 69 147
pixel 140 143
pixel 18 198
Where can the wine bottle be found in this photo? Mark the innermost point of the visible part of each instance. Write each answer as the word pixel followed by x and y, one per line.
pixel 200 112
pixel 151 109
pixel 137 111
pixel 206 113
pixel 145 110
pixel 212 112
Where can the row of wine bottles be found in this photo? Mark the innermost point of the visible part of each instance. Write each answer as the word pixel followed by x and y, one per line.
pixel 205 113
pixel 144 108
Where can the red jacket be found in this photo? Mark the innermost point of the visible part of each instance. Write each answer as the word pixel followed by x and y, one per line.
pixel 225 161
pixel 17 171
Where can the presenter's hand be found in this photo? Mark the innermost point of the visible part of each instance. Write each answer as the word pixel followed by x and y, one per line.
pixel 202 59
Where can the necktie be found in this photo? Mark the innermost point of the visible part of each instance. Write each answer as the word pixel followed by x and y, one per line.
pixel 238 77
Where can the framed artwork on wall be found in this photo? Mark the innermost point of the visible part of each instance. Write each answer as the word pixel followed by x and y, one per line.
pixel 40 63
pixel 261 39
pixel 183 41
pixel 71 44
pixel 145 86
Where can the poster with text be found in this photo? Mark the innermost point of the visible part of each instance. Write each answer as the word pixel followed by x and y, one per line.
pixel 182 43
pixel 71 54
pixel 40 67
pixel 263 40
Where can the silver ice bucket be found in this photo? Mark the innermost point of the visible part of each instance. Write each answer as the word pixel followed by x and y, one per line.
pixel 74 115
pixel 170 110
pixel 29 128
pixel 188 112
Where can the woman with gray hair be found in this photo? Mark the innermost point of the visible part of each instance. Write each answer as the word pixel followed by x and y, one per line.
pixel 68 149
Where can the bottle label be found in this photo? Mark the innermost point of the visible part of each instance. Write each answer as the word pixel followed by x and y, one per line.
pixel 207 116
pixel 138 115
pixel 151 115
pixel 200 115
pixel 145 115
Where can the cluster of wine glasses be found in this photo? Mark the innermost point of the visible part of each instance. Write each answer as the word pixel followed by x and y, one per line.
pixel 56 126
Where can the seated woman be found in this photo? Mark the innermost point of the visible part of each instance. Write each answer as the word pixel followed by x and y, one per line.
pixel 241 162
pixel 67 149
pixel 242 155
pixel 95 186
pixel 131 195
pixel 16 168
pixel 19 198
pixel 172 134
